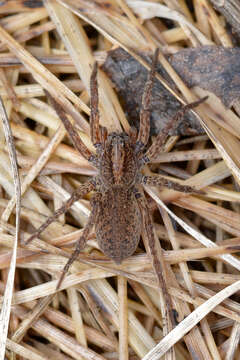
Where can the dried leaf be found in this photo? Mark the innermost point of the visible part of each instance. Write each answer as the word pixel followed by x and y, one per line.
pixel 126 73
pixel 212 68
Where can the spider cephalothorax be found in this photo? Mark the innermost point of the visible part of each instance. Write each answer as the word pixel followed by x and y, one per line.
pixel 118 163
pixel 119 209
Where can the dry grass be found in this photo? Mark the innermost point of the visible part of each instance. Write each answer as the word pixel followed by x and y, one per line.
pixel 105 311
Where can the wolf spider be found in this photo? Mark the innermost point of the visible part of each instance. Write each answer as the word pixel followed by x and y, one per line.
pixel 118 205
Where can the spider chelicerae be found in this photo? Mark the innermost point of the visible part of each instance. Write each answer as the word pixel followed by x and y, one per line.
pixel 119 208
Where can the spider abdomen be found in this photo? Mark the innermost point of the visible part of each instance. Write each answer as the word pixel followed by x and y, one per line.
pixel 118 226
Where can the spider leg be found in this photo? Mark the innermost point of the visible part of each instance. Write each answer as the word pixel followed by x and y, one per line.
pixel 161 181
pixel 77 194
pixel 154 250
pixel 77 142
pixel 79 247
pixel 94 117
pixel 157 145
pixel 144 130
pixel 83 239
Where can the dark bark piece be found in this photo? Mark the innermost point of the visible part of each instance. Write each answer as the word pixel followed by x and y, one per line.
pixel 212 68
pixel 129 77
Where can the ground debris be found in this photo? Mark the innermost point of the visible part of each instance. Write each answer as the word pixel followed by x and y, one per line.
pixel 212 68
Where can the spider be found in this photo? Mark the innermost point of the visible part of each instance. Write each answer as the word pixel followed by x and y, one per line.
pixel 118 205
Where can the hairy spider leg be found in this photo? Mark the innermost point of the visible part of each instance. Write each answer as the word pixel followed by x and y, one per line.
pixel 85 152
pixel 158 180
pixel 144 129
pixel 83 238
pixel 76 140
pixel 76 195
pixel 156 148
pixel 152 246
pixel 94 116
pixel 157 145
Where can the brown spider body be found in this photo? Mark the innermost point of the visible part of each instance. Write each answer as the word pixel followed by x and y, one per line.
pixel 118 220
pixel 119 209
pixel 118 224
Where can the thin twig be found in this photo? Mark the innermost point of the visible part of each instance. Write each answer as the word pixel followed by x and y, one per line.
pixel 6 307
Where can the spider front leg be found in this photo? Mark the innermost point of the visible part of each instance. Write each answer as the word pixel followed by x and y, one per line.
pixel 94 117
pixel 157 145
pixel 76 195
pixel 144 129
pixel 161 181
pixel 72 133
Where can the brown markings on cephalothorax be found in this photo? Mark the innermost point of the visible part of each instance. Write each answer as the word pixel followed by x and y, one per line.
pixel 118 163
